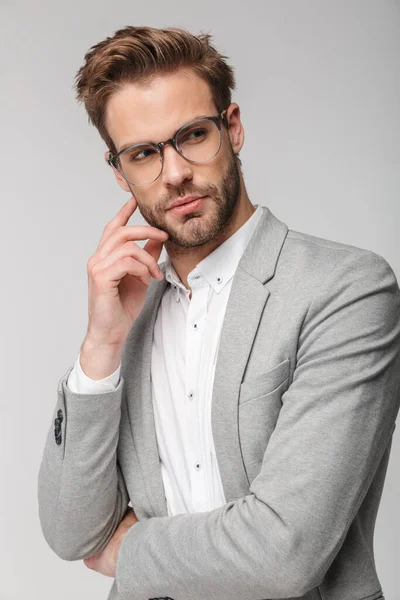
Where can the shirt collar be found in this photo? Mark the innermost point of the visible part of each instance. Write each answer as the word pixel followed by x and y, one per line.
pixel 218 267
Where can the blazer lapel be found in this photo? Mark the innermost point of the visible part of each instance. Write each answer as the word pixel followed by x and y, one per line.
pixel 245 306
pixel 247 300
pixel 139 397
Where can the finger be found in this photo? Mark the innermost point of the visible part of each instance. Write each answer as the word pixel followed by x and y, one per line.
pixel 129 232
pixel 121 218
pixel 131 249
pixel 119 269
pixel 89 562
pixel 128 511
pixel 154 248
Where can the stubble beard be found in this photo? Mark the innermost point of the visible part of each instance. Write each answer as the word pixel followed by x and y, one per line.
pixel 208 222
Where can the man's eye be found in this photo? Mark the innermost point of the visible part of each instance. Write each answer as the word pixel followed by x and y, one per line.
pixel 194 135
pixel 141 154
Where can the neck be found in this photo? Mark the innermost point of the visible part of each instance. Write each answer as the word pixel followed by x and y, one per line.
pixel 184 260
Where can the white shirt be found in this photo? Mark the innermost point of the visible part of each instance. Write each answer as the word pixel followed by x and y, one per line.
pixel 184 352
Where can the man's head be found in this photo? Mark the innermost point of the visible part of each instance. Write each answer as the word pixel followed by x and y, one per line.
pixel 142 85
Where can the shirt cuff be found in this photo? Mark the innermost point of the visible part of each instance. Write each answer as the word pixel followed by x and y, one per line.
pixel 80 383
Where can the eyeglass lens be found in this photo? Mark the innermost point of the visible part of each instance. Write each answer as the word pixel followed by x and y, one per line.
pixel 198 142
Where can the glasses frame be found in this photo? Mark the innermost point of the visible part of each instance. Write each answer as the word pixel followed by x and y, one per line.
pixel 160 147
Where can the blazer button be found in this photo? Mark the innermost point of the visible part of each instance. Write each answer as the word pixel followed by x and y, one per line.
pixel 58 438
pixel 60 414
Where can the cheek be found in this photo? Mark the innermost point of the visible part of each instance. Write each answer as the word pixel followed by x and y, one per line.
pixel 143 201
pixel 210 177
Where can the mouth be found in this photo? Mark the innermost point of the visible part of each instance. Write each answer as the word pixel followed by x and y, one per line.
pixel 186 207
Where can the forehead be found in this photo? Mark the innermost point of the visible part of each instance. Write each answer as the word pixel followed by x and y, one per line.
pixel 153 112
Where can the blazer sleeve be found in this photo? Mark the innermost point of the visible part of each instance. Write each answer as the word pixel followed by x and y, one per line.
pixel 336 420
pixel 82 494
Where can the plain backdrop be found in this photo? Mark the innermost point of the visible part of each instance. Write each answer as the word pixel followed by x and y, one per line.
pixel 319 90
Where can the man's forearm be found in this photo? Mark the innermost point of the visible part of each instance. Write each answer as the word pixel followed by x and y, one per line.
pixel 81 491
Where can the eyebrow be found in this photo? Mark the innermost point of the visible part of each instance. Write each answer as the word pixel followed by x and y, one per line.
pixel 125 146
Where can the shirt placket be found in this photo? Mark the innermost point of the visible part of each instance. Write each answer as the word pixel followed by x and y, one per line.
pixel 195 329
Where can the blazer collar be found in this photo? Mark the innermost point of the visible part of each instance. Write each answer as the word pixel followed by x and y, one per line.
pixel 246 303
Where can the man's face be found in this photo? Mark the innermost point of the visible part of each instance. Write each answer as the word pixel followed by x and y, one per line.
pixel 154 113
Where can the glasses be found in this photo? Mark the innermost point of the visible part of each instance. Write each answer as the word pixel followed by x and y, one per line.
pixel 198 142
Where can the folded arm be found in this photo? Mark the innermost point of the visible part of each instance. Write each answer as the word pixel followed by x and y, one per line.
pixel 336 420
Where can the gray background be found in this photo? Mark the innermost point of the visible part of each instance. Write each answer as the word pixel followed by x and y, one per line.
pixel 319 92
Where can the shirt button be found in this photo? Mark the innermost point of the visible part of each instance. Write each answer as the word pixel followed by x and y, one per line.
pixel 219 279
pixel 195 326
pixel 197 466
pixel 190 395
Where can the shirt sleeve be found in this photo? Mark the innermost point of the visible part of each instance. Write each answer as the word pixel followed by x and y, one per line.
pixel 80 383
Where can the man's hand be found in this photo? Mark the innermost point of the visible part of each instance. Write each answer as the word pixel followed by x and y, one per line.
pixel 104 561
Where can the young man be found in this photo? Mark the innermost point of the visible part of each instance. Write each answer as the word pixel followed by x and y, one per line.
pixel 241 395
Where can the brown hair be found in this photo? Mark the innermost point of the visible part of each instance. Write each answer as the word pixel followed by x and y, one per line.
pixel 137 54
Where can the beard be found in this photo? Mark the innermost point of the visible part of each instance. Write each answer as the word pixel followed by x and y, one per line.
pixel 205 224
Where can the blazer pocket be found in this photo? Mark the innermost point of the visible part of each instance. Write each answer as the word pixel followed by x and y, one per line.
pixel 258 412
pixel 266 383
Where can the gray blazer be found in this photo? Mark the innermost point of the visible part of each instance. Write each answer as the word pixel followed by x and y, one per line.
pixel 305 399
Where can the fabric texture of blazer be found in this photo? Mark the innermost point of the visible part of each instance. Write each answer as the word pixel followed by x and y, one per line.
pixel 305 400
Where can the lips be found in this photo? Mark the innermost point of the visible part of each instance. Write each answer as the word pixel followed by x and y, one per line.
pixel 188 207
pixel 185 200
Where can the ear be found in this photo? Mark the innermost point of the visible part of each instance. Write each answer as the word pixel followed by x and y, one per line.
pixel 235 127
pixel 121 181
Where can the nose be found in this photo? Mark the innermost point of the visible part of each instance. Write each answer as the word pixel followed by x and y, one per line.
pixel 175 168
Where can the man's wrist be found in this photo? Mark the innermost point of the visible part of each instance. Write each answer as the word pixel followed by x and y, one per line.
pixel 99 361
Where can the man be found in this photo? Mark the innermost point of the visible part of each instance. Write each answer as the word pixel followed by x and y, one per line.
pixel 244 399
